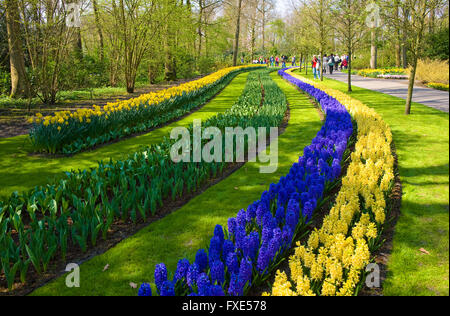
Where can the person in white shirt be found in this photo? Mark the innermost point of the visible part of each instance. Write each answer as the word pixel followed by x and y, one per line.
pixel 325 63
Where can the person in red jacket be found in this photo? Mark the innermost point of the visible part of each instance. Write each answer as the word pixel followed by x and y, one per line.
pixel 316 67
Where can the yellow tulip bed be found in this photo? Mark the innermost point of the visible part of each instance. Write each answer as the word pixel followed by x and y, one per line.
pixel 70 132
pixel 333 260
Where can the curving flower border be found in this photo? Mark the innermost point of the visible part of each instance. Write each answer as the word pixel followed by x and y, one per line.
pixel 259 237
pixel 333 260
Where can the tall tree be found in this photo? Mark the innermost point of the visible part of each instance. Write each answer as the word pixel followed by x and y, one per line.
pixel 318 12
pixel 238 32
pixel 350 18
pixel 99 29
pixel 416 24
pixel 264 7
pixel 19 81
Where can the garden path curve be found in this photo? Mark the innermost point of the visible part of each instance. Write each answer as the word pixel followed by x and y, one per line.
pixel 430 97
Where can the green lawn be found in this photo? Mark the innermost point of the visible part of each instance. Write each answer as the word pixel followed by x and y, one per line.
pixel 190 228
pixel 19 171
pixel 422 141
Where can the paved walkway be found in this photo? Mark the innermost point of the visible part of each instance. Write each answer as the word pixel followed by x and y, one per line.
pixel 399 88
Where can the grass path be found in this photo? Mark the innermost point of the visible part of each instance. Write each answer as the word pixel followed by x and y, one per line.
pixel 422 141
pixel 19 171
pixel 180 234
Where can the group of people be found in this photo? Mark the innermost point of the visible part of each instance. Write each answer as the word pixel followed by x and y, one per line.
pixel 275 61
pixel 328 63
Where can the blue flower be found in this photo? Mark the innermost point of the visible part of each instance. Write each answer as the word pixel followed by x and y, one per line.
pixel 235 288
pixel 217 272
pixel 232 226
pixel 241 218
pixel 145 290
pixel 203 281
pixel 201 259
pixel 216 290
pixel 218 232
pixel 228 247
pixel 232 263
pixel 215 249
pixel 160 275
pixel 251 212
pixel 168 289
pixel 280 215
pixel 263 259
pixel 182 268
pixel 192 275
pixel 245 272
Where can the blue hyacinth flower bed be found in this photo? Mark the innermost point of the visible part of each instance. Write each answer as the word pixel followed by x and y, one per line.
pixel 258 239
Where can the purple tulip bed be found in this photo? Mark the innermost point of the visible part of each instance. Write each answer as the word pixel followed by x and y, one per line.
pixel 246 254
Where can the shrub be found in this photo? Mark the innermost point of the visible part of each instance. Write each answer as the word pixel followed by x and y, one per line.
pixel 5 82
pixel 429 70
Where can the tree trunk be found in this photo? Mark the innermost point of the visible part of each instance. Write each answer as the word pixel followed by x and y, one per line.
pixel 238 31
pixel 99 29
pixel 264 26
pixel 412 78
pixel 19 82
pixel 78 44
pixel 169 43
pixel 200 17
pixel 398 53
pixel 349 75
pixel 373 49
pixel 405 40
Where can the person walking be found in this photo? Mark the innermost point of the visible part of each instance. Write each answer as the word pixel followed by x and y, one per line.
pixel 283 60
pixel 314 63
pixel 272 61
pixel 294 61
pixel 325 63
pixel 331 63
pixel 337 61
pixel 277 61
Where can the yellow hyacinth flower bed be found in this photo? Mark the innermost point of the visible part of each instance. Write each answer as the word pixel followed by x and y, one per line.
pixel 145 100
pixel 335 256
pixel 382 71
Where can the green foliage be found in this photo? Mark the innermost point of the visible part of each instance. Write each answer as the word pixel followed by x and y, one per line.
pixel 83 73
pixel 5 82
pixel 437 44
